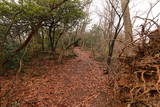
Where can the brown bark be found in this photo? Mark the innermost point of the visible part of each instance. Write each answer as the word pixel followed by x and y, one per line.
pixel 127 21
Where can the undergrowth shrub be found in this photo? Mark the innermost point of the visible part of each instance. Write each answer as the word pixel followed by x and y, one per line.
pixel 11 60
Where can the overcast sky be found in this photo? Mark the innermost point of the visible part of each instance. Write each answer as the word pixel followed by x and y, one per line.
pixel 139 7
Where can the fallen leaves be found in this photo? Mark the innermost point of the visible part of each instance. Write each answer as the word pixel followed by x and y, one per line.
pixel 77 82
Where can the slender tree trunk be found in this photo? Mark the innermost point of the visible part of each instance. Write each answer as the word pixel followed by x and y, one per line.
pixel 42 42
pixel 111 48
pixel 53 36
pixel 58 38
pixel 1 56
pixel 50 38
pixel 20 40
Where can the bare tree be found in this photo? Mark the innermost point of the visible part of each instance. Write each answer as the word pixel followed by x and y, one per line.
pixel 106 24
pixel 117 27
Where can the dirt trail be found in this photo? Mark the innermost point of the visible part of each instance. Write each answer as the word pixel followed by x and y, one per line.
pixel 78 82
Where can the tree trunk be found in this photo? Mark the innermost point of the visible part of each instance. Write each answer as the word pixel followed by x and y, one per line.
pixel 53 37
pixel 111 48
pixel 127 26
pixel 50 38
pixel 42 40
pixel 127 21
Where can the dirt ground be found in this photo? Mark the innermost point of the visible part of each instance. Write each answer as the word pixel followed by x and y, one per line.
pixel 78 82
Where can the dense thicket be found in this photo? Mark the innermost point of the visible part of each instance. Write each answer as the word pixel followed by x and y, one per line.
pixel 35 25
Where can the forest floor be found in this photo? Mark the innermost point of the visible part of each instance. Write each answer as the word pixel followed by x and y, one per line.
pixel 78 82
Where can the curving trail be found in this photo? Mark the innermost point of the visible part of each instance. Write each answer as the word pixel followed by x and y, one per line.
pixel 78 82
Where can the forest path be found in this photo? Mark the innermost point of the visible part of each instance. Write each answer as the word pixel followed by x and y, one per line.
pixel 79 82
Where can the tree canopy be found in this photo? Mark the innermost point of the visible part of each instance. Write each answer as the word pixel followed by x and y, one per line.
pixel 22 20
